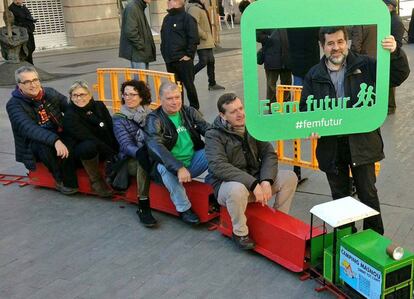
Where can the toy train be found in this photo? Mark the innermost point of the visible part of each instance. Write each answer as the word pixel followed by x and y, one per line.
pixel 349 264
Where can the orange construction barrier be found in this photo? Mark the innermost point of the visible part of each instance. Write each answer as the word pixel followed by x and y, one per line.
pixel 109 82
pixel 296 159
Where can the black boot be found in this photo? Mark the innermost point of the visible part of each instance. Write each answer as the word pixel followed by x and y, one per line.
pixel 97 183
pixel 144 213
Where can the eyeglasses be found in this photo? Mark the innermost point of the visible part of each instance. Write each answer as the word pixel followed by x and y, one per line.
pixel 126 95
pixel 79 95
pixel 28 82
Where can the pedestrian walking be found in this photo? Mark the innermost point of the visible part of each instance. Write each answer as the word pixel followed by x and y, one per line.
pixel 197 9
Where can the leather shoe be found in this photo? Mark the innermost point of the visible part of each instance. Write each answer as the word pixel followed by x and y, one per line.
pixel 244 242
pixel 215 87
pixel 189 217
pixel 65 190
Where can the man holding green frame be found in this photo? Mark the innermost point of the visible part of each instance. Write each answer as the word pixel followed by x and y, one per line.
pixel 342 74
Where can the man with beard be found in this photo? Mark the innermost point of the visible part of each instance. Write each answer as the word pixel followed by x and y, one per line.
pixel 339 74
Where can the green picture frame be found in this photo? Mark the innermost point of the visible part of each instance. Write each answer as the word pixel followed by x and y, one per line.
pixel 269 124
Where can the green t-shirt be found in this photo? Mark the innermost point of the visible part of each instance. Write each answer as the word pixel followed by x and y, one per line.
pixel 183 150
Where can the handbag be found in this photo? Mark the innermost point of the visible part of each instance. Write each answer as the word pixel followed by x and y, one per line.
pixel 260 57
pixel 116 172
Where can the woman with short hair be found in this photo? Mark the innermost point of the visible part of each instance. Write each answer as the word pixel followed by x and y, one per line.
pixel 89 124
pixel 128 129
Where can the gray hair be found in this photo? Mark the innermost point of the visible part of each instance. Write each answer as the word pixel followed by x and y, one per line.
pixel 168 86
pixel 79 84
pixel 24 69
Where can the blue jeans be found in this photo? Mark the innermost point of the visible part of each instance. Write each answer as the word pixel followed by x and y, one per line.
pixel 177 192
pixel 140 65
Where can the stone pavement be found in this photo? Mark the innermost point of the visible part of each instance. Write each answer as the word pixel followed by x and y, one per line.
pixel 53 246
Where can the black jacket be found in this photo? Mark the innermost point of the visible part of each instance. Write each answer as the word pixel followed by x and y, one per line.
pixel 136 41
pixel 23 17
pixel 275 48
pixel 179 35
pixel 303 49
pixel 92 122
pixel 161 135
pixel 365 147
pixel 397 28
pixel 233 158
pixel 24 120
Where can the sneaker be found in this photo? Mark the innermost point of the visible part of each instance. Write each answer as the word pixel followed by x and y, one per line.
pixel 244 242
pixel 189 217
pixel 215 87
pixel 145 215
pixel 65 190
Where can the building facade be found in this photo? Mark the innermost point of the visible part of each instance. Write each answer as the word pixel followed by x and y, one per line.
pixel 83 23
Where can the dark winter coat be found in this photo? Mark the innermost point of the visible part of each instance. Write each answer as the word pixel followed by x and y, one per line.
pixel 233 158
pixel 203 24
pixel 364 40
pixel 125 131
pixel 303 49
pixel 397 28
pixel 136 41
pixel 365 147
pixel 179 35
pixel 275 48
pixel 92 122
pixel 23 17
pixel 23 117
pixel 161 135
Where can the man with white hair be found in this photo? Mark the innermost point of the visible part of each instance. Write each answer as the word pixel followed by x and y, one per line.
pixel 174 141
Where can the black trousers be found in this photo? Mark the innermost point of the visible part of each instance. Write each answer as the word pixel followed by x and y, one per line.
pixel 206 58
pixel 31 46
pixel 391 100
pixel 85 150
pixel 364 180
pixel 184 72
pixel 63 170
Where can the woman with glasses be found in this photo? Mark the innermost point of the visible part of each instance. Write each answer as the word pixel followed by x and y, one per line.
pixel 89 124
pixel 128 129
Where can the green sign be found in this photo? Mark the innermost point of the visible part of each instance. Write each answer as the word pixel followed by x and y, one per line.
pixel 330 116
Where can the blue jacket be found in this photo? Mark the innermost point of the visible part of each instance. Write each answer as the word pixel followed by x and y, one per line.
pixel 125 131
pixel 23 117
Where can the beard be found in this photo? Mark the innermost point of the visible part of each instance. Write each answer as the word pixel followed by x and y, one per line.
pixel 338 60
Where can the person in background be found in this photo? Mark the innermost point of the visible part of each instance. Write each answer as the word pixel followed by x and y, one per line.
pixel 364 40
pixel 243 5
pixel 23 18
pixel 89 125
pixel 136 42
pixel 304 51
pixel 197 9
pixel 179 40
pixel 35 114
pixel 174 141
pixel 397 30
pixel 275 47
pixel 129 131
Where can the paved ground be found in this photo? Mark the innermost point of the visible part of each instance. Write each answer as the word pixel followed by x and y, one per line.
pixel 53 246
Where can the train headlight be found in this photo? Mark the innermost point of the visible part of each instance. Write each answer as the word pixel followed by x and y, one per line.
pixel 395 252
